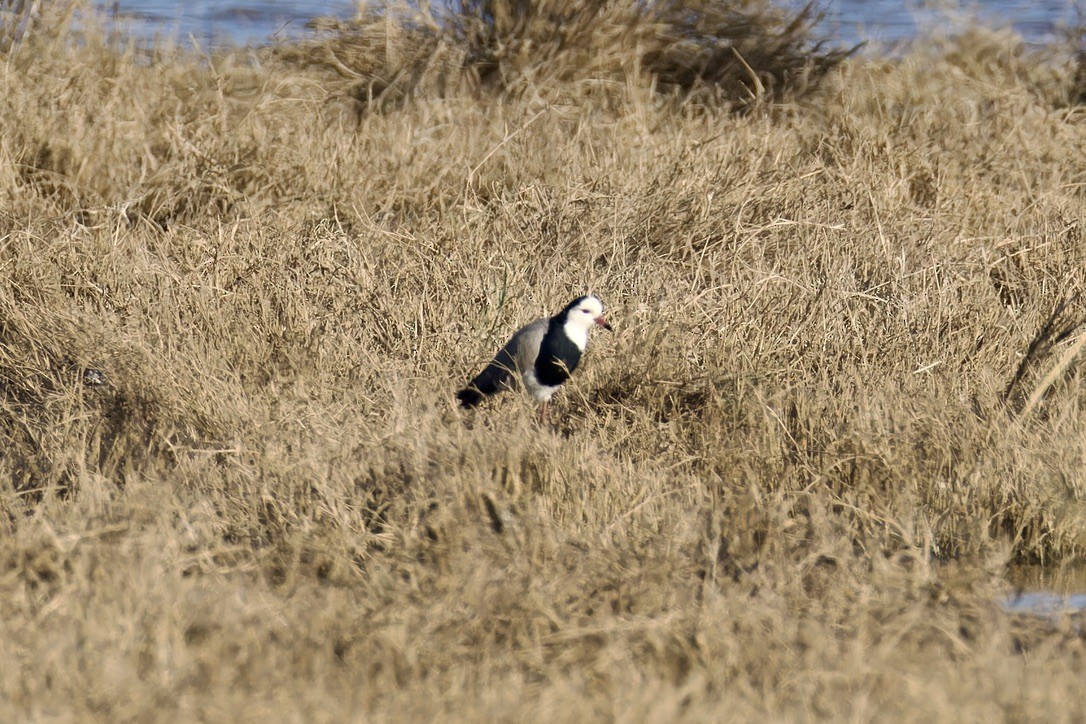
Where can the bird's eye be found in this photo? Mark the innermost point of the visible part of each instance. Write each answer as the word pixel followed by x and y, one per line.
pixel 586 311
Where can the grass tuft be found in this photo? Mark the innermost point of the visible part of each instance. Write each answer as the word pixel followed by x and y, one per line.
pixel 733 54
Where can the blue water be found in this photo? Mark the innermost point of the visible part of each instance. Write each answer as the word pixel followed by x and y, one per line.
pixel 1045 604
pixel 1048 594
pixel 225 22
pixel 881 23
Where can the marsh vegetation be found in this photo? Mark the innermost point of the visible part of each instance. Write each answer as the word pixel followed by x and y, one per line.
pixel 842 396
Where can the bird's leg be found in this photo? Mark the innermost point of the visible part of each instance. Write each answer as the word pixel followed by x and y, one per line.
pixel 543 412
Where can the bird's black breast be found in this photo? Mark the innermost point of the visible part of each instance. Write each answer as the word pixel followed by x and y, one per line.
pixel 558 357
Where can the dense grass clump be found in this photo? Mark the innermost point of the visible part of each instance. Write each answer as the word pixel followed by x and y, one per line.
pixel 733 54
pixel 844 392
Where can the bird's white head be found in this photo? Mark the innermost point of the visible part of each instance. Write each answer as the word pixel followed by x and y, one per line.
pixel 581 315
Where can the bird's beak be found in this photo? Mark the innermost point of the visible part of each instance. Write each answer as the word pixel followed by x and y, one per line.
pixel 603 323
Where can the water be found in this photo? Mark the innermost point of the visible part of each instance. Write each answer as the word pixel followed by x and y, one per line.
pixel 234 22
pixel 1045 593
pixel 881 23
pixel 1045 604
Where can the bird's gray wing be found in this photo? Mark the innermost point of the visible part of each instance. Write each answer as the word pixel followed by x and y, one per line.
pixel 517 356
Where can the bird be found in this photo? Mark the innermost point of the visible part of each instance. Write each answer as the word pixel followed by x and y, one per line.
pixel 543 354
pixel 94 378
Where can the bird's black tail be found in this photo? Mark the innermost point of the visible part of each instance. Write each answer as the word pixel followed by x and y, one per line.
pixel 495 377
pixel 469 397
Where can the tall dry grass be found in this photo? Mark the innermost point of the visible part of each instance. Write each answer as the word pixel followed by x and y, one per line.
pixel 735 53
pixel 787 487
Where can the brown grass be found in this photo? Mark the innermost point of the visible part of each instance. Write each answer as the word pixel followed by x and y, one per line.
pixel 737 53
pixel 787 487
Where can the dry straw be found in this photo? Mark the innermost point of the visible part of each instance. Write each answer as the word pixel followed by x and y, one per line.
pixel 787 488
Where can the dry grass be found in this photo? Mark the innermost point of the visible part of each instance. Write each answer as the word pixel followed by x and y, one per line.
pixel 737 53
pixel 787 487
